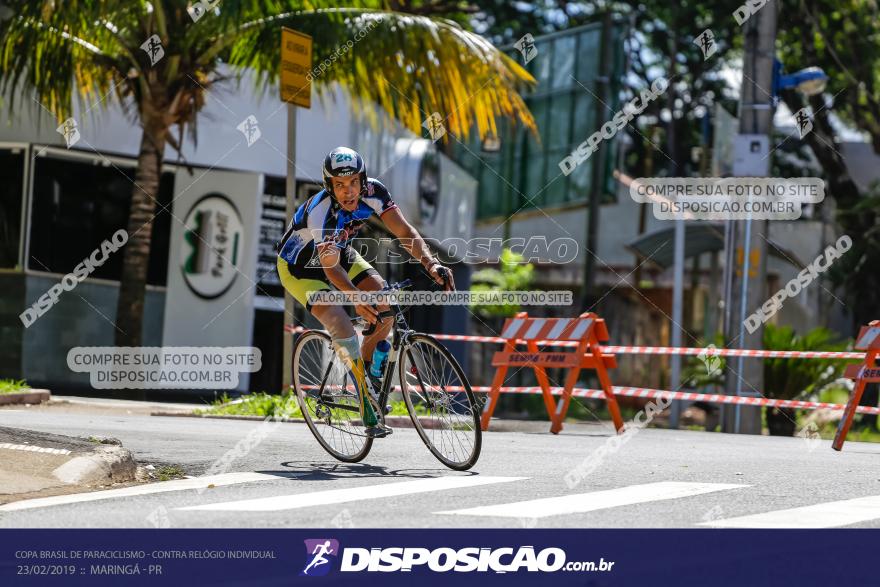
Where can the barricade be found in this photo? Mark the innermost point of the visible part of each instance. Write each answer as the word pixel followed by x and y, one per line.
pixel 867 372
pixel 867 349
pixel 586 331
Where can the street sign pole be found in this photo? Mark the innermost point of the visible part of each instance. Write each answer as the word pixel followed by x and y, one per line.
pixel 296 90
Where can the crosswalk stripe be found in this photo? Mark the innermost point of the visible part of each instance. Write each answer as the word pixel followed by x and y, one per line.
pixel 334 496
pixel 160 487
pixel 821 515
pixel 596 500
pixel 33 448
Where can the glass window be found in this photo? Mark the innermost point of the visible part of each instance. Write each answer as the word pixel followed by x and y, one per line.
pixel 579 186
pixel 565 113
pixel 491 202
pixel 534 181
pixel 563 62
pixel 539 111
pixel 78 204
pixel 539 66
pixel 559 125
pixel 584 116
pixel 11 184
pixel 556 184
pixel 588 56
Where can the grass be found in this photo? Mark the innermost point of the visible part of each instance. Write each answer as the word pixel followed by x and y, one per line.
pixel 13 386
pixel 267 405
pixel 169 472
pixel 256 404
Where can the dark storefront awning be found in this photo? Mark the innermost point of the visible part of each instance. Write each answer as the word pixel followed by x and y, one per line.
pixel 702 237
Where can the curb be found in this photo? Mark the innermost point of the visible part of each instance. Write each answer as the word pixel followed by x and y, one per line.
pixel 398 421
pixel 107 464
pixel 32 396
pixel 70 460
pixel 227 417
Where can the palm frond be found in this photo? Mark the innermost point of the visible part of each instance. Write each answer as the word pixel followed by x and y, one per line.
pixel 410 65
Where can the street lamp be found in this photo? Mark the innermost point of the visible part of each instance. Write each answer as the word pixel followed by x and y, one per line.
pixel 809 81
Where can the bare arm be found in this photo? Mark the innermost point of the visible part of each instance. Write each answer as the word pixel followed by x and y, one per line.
pixel 415 245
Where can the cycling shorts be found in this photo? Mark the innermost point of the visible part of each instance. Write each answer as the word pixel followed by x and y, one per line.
pixel 300 280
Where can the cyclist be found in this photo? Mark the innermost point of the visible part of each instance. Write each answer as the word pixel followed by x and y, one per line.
pixel 315 254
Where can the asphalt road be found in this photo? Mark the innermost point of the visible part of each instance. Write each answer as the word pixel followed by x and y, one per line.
pixel 659 478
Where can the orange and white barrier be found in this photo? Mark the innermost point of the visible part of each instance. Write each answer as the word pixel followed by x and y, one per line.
pixel 587 331
pixel 654 350
pixel 867 372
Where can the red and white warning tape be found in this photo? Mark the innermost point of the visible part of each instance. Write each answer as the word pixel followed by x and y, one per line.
pixel 657 350
pixel 688 396
pixel 644 392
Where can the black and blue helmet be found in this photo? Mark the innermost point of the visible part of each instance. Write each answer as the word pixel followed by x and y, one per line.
pixel 342 162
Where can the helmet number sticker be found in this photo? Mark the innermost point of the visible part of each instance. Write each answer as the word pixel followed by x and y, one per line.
pixel 341 160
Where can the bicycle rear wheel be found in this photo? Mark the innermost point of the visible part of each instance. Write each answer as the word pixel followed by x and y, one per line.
pixel 327 398
pixel 440 402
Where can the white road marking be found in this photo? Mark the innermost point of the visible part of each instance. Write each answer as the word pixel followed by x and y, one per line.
pixel 334 496
pixel 596 500
pixel 32 448
pixel 821 515
pixel 160 487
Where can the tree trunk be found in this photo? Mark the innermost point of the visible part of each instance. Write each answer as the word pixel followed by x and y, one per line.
pixel 132 287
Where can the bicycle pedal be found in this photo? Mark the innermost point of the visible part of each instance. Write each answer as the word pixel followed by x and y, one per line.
pixel 378 431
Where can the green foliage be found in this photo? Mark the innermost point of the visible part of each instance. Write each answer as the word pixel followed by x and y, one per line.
pixel 514 274
pixel 703 373
pixel 791 378
pixel 13 386
pixel 169 472
pixel 91 50
pixel 267 405
pixel 260 404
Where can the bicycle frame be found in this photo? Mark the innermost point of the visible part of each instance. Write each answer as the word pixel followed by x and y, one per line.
pixel 400 336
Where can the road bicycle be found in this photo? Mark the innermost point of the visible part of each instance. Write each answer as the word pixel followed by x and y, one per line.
pixel 437 395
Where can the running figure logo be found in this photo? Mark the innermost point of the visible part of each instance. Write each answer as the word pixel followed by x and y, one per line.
pixel 317 551
pixel 804 124
pixel 250 128
pixel 526 47
pixel 706 42
pixel 154 49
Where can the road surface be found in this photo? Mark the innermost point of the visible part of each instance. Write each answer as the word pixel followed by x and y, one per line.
pixel 659 478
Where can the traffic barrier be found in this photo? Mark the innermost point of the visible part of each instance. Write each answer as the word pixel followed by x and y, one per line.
pixel 648 393
pixel 867 349
pixel 586 331
pixel 867 372
pixel 655 350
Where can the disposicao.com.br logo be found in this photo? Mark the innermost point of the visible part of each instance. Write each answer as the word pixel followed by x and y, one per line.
pixel 444 559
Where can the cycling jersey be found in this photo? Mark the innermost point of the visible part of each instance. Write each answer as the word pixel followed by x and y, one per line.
pixel 320 221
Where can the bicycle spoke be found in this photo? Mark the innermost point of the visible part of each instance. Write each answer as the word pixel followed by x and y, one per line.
pixel 329 400
pixel 432 384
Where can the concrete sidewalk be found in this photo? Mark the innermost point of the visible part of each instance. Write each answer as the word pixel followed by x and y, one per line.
pixel 35 462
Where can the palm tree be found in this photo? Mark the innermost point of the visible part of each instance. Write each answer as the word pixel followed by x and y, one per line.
pixel 158 61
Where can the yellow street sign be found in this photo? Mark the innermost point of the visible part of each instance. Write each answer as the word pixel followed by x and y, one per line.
pixel 296 63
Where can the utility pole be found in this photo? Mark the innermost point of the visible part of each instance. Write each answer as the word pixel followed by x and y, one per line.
pixel 747 238
pixel 597 181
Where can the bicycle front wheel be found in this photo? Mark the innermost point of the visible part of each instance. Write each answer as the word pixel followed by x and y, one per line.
pixel 440 402
pixel 327 398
